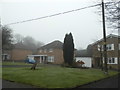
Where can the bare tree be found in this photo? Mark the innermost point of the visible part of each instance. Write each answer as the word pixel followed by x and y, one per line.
pixel 112 14
pixel 31 43
pixel 27 42
pixel 39 44
pixel 18 38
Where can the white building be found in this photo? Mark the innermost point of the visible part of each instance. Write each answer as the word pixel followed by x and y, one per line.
pixel 86 60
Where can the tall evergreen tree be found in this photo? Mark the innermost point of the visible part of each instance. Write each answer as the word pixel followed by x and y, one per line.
pixel 71 49
pixel 68 49
pixel 65 55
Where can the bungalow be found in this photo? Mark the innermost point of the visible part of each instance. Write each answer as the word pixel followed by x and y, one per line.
pixel 113 52
pixel 18 53
pixel 50 53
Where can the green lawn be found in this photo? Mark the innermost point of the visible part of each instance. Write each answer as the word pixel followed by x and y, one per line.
pixel 54 77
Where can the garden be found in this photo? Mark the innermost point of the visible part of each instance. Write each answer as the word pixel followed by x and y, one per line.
pixel 50 76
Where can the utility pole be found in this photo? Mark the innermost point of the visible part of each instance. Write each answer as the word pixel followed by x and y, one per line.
pixel 118 38
pixel 104 36
pixel 101 58
pixel 0 40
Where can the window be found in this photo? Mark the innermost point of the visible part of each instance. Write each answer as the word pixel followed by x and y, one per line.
pixel 111 60
pixel 110 47
pixel 50 58
pixel 5 56
pixel 100 47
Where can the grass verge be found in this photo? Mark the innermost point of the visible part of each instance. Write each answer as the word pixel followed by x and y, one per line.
pixel 54 77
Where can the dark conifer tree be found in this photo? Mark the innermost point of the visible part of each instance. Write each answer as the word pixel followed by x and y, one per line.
pixel 68 49
pixel 71 49
pixel 65 49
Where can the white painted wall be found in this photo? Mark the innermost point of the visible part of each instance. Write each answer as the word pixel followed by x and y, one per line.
pixel 86 60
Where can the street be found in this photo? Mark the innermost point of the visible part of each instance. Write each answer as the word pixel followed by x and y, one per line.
pixel 106 83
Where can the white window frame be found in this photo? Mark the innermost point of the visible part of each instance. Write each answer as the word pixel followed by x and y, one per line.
pixel 50 58
pixel 98 47
pixel 110 47
pixel 102 47
pixel 111 59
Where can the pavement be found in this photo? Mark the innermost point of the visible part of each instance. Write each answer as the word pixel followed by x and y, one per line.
pixel 11 84
pixel 111 82
pixel 105 83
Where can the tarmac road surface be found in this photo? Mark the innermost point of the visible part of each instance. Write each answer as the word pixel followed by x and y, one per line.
pixel 10 84
pixel 105 83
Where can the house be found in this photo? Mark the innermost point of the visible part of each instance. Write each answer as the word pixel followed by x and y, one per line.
pixel 50 53
pixel 18 53
pixel 84 56
pixel 113 52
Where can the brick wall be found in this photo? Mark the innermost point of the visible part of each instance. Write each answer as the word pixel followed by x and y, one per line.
pixel 110 53
pixel 19 54
pixel 57 53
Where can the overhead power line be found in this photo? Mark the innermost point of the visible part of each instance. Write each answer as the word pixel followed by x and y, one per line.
pixel 54 14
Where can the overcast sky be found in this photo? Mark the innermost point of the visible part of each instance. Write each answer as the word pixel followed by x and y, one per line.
pixel 85 24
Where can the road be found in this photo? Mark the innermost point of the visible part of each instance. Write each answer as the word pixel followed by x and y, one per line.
pixel 10 84
pixel 105 83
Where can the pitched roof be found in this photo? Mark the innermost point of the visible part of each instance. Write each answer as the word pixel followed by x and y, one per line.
pixel 53 45
pixel 108 36
pixel 21 46
pixel 82 53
